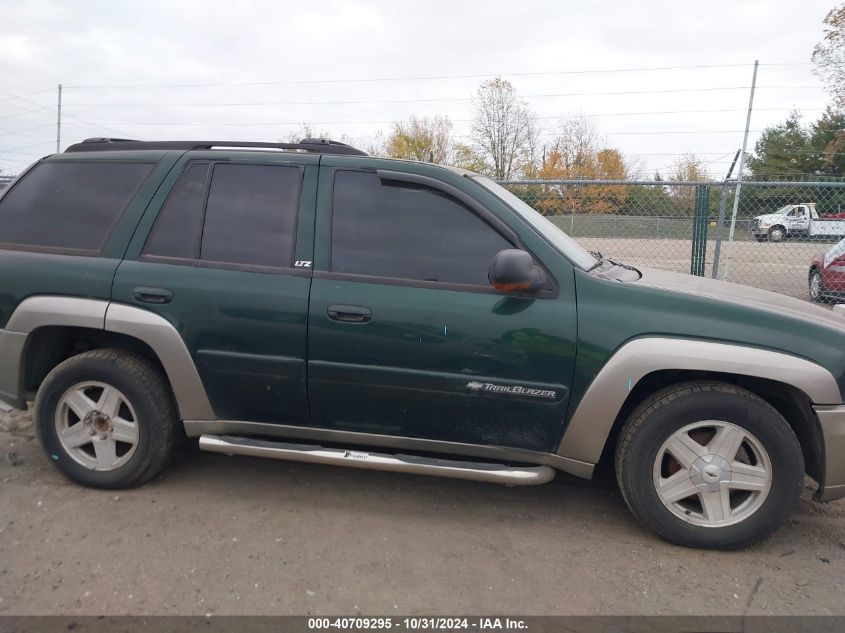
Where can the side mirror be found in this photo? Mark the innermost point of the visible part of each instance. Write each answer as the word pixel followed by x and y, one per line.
pixel 513 269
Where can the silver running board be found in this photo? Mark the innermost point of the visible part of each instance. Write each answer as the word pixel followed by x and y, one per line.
pixel 475 471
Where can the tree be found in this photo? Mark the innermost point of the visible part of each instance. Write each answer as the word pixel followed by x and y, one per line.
pixel 573 152
pixel 503 129
pixel 827 144
pixel 829 56
pixel 687 168
pixel 793 150
pixel 782 150
pixel 422 139
pixel 466 157
pixel 577 154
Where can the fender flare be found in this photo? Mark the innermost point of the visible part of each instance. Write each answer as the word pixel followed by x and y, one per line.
pixel 156 331
pixel 586 434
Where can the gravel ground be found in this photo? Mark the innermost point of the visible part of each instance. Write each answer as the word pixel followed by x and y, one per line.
pixel 781 267
pixel 234 535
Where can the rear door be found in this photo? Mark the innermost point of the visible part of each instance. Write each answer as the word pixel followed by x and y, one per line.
pixel 407 337
pixel 215 255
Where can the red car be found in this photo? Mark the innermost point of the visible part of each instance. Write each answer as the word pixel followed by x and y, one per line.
pixel 827 274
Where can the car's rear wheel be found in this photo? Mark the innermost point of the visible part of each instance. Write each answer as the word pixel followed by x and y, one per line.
pixel 107 419
pixel 710 465
pixel 816 285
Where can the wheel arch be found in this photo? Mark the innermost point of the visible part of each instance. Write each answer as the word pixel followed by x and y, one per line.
pixel 643 366
pixel 43 331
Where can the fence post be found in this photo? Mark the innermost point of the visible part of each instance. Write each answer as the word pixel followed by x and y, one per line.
pixel 701 216
pixel 723 203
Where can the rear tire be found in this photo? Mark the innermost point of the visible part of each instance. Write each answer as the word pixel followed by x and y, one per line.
pixel 107 419
pixel 709 465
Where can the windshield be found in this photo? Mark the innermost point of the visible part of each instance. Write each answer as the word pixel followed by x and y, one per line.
pixel 552 232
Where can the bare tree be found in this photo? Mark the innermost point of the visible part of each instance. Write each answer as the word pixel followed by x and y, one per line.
pixel 829 55
pixel 573 151
pixel 423 139
pixel 503 129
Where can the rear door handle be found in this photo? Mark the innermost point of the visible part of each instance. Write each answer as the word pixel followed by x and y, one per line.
pixel 152 295
pixel 349 314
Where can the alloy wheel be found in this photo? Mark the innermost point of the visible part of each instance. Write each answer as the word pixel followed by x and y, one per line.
pixel 97 426
pixel 712 473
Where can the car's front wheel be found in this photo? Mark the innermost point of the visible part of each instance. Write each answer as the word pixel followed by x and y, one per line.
pixel 709 465
pixel 776 234
pixel 816 285
pixel 107 419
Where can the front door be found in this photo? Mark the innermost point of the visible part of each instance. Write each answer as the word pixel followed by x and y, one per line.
pixel 407 337
pixel 219 265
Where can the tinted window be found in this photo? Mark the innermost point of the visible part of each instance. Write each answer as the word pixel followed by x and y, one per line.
pixel 177 228
pixel 251 215
pixel 408 232
pixel 69 205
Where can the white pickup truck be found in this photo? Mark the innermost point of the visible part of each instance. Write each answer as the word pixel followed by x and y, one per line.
pixel 795 220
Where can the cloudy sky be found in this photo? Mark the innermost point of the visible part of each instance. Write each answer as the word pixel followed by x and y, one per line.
pixel 658 79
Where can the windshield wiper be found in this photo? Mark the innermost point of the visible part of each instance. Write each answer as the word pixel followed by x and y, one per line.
pixel 599 260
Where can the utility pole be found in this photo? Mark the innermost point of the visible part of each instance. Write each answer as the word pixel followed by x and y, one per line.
pixel 59 122
pixel 722 204
pixel 739 174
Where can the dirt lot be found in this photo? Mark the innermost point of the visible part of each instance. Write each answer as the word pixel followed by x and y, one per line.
pixel 233 535
pixel 780 267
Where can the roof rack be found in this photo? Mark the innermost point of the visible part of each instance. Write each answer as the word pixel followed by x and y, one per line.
pixel 311 145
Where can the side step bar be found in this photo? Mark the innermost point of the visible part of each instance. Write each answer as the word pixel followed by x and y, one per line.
pixel 475 471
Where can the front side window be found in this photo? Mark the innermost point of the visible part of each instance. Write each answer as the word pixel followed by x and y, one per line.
pixel 403 231
pixel 66 205
pixel 250 218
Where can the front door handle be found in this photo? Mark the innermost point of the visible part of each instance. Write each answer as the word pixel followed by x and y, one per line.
pixel 349 314
pixel 152 295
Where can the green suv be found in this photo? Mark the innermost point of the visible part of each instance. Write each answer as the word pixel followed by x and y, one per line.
pixel 308 302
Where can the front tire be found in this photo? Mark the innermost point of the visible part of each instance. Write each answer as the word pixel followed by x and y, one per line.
pixel 776 234
pixel 709 465
pixel 107 419
pixel 816 285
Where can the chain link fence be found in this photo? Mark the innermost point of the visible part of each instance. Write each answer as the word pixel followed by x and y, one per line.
pixel 780 227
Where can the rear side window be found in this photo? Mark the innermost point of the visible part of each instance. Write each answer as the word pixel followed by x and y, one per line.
pixel 177 229
pixel 248 219
pixel 408 232
pixel 70 206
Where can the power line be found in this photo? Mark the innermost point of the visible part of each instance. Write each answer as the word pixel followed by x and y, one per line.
pixel 423 77
pixel 26 94
pixel 425 100
pixel 388 122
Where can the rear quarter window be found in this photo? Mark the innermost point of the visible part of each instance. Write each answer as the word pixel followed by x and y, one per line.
pixel 69 206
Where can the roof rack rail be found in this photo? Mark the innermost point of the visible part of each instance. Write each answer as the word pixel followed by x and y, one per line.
pixel 311 145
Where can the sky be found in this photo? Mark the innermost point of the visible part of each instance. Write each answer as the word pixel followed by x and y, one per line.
pixel 657 79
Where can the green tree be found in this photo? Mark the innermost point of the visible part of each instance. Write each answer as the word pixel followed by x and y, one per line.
pixel 782 150
pixel 827 144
